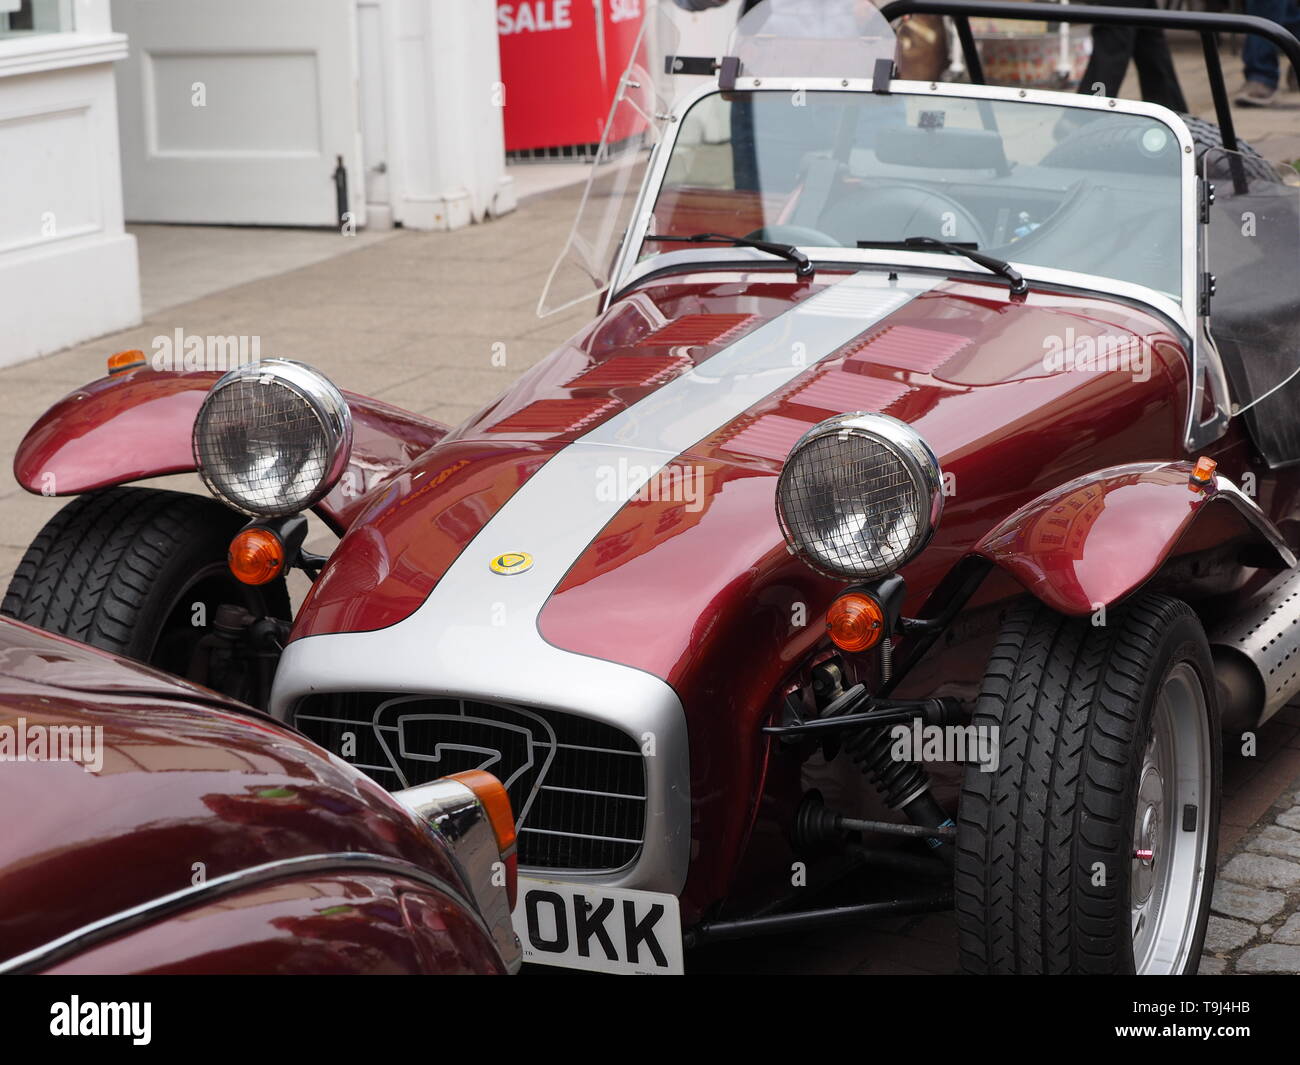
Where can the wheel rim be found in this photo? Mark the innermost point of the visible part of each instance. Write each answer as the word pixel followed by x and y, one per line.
pixel 1167 874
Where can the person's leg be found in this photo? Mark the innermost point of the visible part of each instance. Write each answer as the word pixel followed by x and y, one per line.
pixel 1292 24
pixel 1112 48
pixel 1156 74
pixel 1258 57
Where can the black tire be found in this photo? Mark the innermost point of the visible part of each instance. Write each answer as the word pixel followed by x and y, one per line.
pixel 1206 135
pixel 1100 145
pixel 121 569
pixel 1073 706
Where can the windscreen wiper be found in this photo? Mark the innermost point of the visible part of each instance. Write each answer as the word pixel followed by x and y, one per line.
pixel 1019 286
pixel 803 266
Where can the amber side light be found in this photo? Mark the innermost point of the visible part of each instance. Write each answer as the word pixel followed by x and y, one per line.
pixel 125 360
pixel 1203 471
pixel 256 556
pixel 492 794
pixel 855 621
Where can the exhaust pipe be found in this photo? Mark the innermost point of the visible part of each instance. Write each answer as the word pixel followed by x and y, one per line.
pixel 1257 654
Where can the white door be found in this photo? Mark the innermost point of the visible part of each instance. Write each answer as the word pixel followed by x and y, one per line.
pixel 238 112
pixel 374 119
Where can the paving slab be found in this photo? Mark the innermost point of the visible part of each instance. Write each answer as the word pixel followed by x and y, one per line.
pixel 1270 958
pixel 1289 932
pixel 1222 934
pixel 1258 871
pixel 1249 903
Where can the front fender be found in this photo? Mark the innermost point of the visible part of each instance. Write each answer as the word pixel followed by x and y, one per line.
pixel 1097 539
pixel 134 425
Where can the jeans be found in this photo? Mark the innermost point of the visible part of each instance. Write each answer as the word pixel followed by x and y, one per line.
pixel 1114 47
pixel 1260 57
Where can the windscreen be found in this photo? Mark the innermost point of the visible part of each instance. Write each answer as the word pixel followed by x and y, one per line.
pixel 633 129
pixel 776 38
pixel 1094 192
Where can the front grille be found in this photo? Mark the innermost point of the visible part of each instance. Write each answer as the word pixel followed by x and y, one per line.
pixel 577 786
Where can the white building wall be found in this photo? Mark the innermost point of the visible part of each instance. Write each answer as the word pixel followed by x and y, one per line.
pixel 68 268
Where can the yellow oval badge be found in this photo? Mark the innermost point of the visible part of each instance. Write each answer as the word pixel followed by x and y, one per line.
pixel 512 562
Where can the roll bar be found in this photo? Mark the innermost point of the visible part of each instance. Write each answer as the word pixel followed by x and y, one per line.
pixel 1202 23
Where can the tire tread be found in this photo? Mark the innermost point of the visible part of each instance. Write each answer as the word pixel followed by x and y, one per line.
pixel 1066 698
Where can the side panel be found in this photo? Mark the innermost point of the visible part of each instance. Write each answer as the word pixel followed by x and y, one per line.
pixel 137 425
pixel 342 925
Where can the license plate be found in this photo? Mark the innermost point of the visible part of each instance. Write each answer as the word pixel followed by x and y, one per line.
pixel 605 930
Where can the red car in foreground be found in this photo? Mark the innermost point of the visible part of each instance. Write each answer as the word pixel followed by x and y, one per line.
pixel 157 827
pixel 922 498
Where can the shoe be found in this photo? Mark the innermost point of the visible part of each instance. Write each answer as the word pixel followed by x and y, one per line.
pixel 1256 94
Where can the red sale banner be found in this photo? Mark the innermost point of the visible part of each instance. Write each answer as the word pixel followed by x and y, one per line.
pixel 560 63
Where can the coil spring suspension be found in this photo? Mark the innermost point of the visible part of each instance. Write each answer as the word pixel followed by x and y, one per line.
pixel 899 783
pixel 902 785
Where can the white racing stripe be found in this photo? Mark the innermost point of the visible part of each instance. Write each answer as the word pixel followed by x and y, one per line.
pixel 476 634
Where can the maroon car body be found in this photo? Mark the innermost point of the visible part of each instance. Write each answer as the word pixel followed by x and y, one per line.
pixel 206 839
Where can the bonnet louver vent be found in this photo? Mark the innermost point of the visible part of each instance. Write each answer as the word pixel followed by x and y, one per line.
pixel 836 392
pixel 555 416
pixel 631 371
pixel 698 330
pixel 905 347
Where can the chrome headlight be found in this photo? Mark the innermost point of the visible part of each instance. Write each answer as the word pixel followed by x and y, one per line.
pixel 272 437
pixel 859 496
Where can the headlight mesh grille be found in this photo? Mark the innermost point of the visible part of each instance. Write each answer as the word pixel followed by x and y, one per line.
pixel 262 447
pixel 852 505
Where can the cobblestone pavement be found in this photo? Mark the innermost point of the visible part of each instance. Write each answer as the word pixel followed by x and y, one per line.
pixel 416 320
pixel 1255 926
